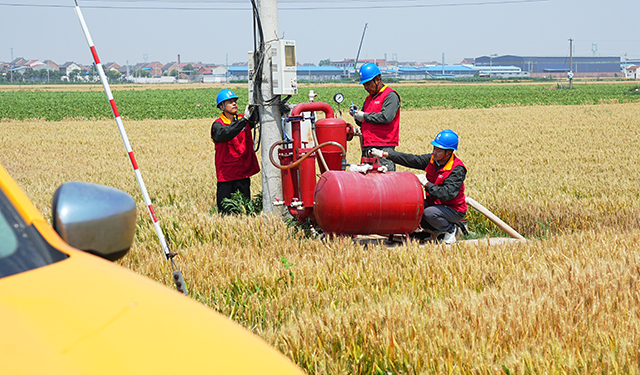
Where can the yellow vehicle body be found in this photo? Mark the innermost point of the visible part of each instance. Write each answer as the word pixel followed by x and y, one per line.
pixel 86 315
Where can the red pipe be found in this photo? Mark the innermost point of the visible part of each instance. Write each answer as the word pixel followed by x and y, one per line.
pixel 306 107
pixel 313 106
pixel 307 212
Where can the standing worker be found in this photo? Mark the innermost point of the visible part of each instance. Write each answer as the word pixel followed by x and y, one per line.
pixel 445 203
pixel 235 160
pixel 380 116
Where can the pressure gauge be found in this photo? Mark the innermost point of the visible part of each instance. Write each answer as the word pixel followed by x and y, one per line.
pixel 338 98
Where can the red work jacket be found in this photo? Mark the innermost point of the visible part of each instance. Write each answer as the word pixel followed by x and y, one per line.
pixel 438 177
pixel 380 134
pixel 235 159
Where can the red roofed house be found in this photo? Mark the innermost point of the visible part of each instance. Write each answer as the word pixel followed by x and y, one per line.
pixel 155 68
pixel 632 72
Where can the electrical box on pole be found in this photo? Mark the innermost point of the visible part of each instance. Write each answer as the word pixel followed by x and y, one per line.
pixel 283 67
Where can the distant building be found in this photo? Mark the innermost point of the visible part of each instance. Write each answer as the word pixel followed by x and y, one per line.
pixel 167 68
pixel 348 63
pixel 468 61
pixel 68 67
pixel 112 66
pixel 44 67
pixel 450 71
pixel 155 68
pixel 632 72
pixel 555 67
pixel 501 72
pixel 213 75
pixel 52 64
pixel 406 72
pixel 17 62
pixel 166 79
pixel 25 65
pixel 320 73
pixel 238 72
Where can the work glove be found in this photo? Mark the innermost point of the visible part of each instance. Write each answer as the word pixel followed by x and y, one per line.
pixel 358 116
pixel 423 179
pixel 248 111
pixel 362 168
pixel 375 152
pixel 352 109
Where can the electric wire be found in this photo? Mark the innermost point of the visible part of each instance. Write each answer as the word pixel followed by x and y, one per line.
pixel 258 57
pixel 366 5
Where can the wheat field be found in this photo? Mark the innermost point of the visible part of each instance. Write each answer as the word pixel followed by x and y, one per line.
pixel 567 301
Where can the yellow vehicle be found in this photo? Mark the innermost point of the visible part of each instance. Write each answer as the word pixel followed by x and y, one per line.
pixel 65 311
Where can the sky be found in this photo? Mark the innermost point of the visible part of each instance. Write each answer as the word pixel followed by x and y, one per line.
pixel 221 31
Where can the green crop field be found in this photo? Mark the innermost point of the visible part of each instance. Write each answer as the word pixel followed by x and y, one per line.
pixel 563 174
pixel 200 103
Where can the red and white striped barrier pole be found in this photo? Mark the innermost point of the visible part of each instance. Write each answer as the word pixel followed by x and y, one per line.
pixel 177 275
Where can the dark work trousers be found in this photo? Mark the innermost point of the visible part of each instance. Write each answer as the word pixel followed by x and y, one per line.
pixel 227 188
pixel 391 166
pixel 441 218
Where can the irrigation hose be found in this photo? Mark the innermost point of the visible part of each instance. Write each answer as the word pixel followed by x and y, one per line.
pixel 297 162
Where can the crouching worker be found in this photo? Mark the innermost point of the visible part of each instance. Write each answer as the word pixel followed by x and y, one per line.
pixel 443 182
pixel 235 160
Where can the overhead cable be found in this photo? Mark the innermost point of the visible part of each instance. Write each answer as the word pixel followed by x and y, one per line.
pixel 392 5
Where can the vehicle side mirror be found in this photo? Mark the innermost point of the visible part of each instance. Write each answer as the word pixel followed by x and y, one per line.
pixel 95 218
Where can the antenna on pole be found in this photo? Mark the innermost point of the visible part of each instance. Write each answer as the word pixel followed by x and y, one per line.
pixel 355 63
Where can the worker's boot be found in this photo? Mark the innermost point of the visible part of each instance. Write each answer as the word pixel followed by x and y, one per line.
pixel 450 237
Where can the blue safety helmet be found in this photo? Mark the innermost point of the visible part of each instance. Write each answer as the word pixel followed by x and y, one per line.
pixel 225 94
pixel 446 140
pixel 368 72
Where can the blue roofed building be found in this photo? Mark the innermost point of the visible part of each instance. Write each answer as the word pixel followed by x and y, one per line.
pixel 556 67
pixel 238 72
pixel 321 73
pixel 451 71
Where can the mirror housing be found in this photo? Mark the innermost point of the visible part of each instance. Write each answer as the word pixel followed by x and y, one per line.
pixel 95 218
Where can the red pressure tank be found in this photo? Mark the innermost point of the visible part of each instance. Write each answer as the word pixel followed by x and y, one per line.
pixel 375 203
pixel 332 129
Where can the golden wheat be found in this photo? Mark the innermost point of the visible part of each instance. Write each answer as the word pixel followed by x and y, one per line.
pixel 568 302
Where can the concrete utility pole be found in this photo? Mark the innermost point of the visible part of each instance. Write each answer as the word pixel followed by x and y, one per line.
pixel 270 114
pixel 570 63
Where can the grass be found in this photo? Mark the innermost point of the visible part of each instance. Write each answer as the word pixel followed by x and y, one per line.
pixel 566 302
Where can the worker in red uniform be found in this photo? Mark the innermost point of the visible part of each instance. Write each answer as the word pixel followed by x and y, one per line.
pixel 445 203
pixel 379 118
pixel 235 160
